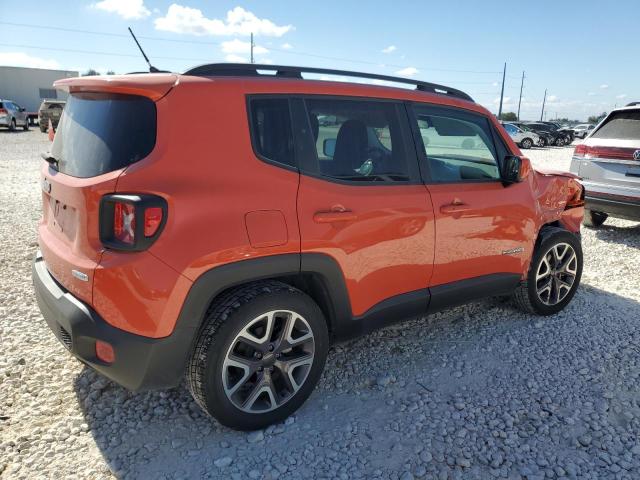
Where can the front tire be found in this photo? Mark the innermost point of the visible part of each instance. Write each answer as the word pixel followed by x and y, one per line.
pixel 593 219
pixel 554 273
pixel 259 356
pixel 26 125
pixel 12 125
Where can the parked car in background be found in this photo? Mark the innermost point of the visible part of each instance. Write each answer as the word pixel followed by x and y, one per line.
pixel 545 138
pixel 556 138
pixel 13 115
pixel 237 266
pixel 609 163
pixel 567 132
pixel 50 110
pixel 582 130
pixel 520 137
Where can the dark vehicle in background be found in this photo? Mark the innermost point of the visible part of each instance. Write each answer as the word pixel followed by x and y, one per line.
pixel 49 110
pixel 609 163
pixel 545 138
pixel 568 133
pixel 13 115
pixel 556 138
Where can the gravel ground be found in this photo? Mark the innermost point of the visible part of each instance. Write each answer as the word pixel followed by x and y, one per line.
pixel 475 392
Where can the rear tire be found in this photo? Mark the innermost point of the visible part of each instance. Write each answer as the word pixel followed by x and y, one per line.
pixel 527 143
pixel 248 378
pixel 554 273
pixel 26 126
pixel 559 142
pixel 12 125
pixel 593 219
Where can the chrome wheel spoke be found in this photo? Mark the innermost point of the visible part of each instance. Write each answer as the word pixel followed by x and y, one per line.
pixel 556 273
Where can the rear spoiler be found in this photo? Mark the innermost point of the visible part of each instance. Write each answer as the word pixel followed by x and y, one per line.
pixel 154 86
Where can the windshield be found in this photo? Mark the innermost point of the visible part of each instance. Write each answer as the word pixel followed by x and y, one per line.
pixel 103 132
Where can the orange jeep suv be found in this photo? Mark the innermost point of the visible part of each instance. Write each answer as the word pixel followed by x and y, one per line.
pixel 234 250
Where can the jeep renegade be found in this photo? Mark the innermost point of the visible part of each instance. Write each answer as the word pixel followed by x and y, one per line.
pixel 234 250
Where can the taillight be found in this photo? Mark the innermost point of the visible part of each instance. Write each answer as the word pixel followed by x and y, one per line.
pixel 3 111
pixel 131 222
pixel 580 151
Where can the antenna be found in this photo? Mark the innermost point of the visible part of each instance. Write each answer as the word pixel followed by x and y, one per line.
pixel 152 69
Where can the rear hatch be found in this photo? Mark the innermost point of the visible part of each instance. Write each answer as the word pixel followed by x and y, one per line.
pixel 103 129
pixel 607 159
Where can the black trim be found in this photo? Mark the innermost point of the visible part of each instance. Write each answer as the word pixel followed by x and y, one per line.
pixel 622 208
pixel 252 70
pixel 464 291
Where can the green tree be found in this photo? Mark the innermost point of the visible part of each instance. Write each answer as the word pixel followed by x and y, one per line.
pixel 90 73
pixel 509 117
pixel 594 119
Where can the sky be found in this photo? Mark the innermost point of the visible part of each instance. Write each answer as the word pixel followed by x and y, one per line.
pixel 585 53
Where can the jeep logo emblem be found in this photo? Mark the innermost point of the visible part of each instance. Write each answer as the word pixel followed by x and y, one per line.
pixel 636 155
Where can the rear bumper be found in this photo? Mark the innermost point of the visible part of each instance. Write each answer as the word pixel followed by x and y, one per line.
pixel 141 363
pixel 623 207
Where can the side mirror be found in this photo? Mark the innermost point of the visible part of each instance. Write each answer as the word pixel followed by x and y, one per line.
pixel 515 169
pixel 329 147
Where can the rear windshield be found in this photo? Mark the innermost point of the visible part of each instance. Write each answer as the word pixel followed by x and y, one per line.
pixel 623 125
pixel 103 132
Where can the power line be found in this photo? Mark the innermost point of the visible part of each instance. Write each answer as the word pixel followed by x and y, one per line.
pixel 199 42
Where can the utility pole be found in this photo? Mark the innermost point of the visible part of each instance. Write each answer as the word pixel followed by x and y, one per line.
pixel 520 99
pixel 543 102
pixel 252 48
pixel 504 73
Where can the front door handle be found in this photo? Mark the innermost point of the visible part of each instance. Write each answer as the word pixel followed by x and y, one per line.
pixel 334 216
pixel 455 207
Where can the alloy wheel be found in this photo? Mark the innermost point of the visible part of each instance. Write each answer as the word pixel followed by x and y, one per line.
pixel 556 273
pixel 268 361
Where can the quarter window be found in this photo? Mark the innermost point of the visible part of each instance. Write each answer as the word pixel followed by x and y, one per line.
pixel 357 140
pixel 271 130
pixel 458 146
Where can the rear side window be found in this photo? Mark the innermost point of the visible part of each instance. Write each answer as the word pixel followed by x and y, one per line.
pixel 103 132
pixel 623 125
pixel 458 146
pixel 357 140
pixel 271 130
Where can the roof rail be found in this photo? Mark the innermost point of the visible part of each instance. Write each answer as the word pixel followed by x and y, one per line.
pixel 252 69
pixel 633 104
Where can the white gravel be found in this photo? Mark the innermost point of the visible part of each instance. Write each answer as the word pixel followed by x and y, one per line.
pixel 476 392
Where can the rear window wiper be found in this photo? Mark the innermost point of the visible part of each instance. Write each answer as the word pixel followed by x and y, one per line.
pixel 51 160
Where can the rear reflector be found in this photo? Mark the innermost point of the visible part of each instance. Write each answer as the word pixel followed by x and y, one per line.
pixel 3 111
pixel 152 220
pixel 105 352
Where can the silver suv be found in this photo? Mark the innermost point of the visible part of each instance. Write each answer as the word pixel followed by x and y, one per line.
pixel 609 163
pixel 13 115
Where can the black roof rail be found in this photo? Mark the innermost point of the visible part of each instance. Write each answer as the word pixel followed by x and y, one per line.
pixel 633 104
pixel 252 69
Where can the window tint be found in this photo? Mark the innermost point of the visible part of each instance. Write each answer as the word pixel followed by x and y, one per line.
pixel 357 140
pixel 48 93
pixel 271 129
pixel 100 133
pixel 623 125
pixel 458 145
pixel 510 129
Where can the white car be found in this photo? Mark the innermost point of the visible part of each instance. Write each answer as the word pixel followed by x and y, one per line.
pixel 582 130
pixel 522 138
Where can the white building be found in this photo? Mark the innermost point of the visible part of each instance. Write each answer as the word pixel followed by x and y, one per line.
pixel 29 86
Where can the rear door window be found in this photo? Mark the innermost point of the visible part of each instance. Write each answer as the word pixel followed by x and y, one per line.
pixel 622 125
pixel 103 132
pixel 358 140
pixel 271 130
pixel 458 146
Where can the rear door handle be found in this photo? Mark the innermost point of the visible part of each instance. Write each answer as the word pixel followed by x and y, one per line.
pixel 334 216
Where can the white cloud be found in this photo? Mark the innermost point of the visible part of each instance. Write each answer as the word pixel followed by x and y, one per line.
pixel 286 46
pixel 128 9
pixel 19 59
pixel 495 84
pixel 621 96
pixel 409 71
pixel 238 46
pixel 265 61
pixel 552 98
pixel 604 86
pixel 180 19
pixel 389 49
pixel 591 94
pixel 233 58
